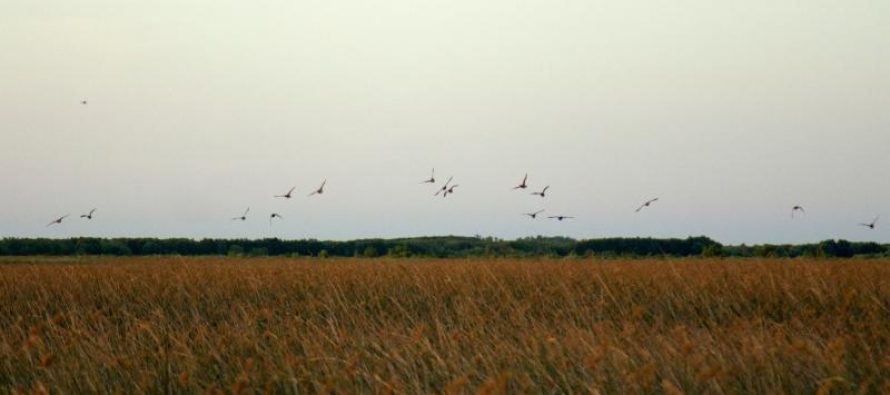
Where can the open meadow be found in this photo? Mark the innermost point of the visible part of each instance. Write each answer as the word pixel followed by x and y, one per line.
pixel 303 325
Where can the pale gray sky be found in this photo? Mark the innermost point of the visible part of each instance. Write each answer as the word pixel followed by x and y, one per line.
pixel 731 112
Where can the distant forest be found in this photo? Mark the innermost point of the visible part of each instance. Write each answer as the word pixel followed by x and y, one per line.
pixel 435 247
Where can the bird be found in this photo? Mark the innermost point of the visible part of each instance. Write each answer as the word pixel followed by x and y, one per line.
pixel 286 195
pixel 534 214
pixel 243 217
pixel 444 187
pixel 523 185
pixel 58 220
pixel 432 179
pixel 560 217
pixel 646 204
pixel 84 102
pixel 273 216
pixel 872 224
pixel 543 191
pixel 88 216
pixel 450 190
pixel 320 189
pixel 797 208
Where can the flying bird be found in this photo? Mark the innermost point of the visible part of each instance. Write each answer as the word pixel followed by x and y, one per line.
pixel 797 208
pixel 646 204
pixel 243 217
pixel 444 187
pixel 273 216
pixel 534 214
pixel 523 185
pixel 543 192
pixel 286 195
pixel 58 221
pixel 84 102
pixel 320 189
pixel 560 217
pixel 450 190
pixel 432 179
pixel 872 224
pixel 88 216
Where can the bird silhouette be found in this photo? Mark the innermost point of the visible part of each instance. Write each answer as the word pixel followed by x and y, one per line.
pixel 320 189
pixel 560 217
pixel 243 217
pixel 88 216
pixel 646 204
pixel 84 102
pixel 286 195
pixel 444 187
pixel 872 224
pixel 273 216
pixel 534 214
pixel 58 221
pixel 797 208
pixel 450 190
pixel 432 179
pixel 543 192
pixel 523 185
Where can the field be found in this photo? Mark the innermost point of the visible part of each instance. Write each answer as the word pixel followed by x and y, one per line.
pixel 170 324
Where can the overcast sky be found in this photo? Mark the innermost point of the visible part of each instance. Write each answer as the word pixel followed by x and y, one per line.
pixel 731 112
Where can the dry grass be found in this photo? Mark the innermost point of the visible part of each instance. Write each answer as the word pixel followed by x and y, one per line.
pixel 454 326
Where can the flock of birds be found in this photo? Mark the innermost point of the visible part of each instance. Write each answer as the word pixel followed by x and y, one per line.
pixel 445 190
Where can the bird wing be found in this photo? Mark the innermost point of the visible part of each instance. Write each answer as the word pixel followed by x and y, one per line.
pixel 291 190
pixel 449 180
pixel 92 211
pixel 246 211
pixel 525 178
pixel 539 211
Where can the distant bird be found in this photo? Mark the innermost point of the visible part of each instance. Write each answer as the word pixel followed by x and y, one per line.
pixel 273 216
pixel 286 195
pixel 872 224
pixel 58 221
pixel 432 179
pixel 320 189
pixel 243 217
pixel 647 204
pixel 543 192
pixel 560 217
pixel 444 187
pixel 797 208
pixel 88 216
pixel 450 190
pixel 523 185
pixel 534 214
pixel 84 102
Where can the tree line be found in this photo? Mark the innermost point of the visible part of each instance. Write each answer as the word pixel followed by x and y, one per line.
pixel 437 247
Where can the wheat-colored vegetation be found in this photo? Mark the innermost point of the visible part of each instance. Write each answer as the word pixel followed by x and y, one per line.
pixel 169 324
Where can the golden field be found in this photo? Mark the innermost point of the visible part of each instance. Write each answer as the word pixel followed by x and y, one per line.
pixel 228 325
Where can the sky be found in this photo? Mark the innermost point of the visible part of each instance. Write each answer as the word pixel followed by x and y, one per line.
pixel 730 112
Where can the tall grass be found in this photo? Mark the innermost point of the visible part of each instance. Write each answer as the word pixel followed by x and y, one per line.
pixel 136 325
